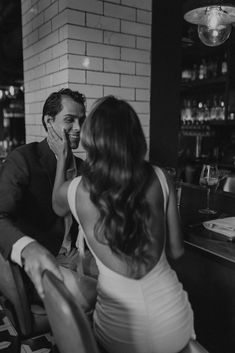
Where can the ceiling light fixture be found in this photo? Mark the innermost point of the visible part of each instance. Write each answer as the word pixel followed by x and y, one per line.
pixel 213 17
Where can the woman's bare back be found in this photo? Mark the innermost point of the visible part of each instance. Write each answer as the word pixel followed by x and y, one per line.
pixel 88 216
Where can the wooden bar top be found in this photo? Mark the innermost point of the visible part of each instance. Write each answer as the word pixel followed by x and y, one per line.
pixel 193 198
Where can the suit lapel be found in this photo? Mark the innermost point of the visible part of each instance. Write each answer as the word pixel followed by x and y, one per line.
pixel 47 160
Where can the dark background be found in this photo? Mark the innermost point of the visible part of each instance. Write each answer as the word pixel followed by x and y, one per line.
pixel 11 53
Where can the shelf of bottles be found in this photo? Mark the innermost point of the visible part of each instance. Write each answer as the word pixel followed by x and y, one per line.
pixel 207 69
pixel 212 109
pixel 12 125
pixel 201 109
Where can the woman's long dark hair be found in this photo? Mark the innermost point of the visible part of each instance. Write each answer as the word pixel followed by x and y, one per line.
pixel 116 176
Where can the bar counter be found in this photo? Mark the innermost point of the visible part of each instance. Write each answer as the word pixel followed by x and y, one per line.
pixel 194 198
pixel 207 270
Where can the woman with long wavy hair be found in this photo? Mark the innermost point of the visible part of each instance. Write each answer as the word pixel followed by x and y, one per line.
pixel 127 211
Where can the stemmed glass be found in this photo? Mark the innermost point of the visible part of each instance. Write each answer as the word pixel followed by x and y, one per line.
pixel 209 177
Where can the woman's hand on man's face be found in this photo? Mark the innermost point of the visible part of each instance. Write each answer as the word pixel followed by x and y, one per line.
pixel 58 144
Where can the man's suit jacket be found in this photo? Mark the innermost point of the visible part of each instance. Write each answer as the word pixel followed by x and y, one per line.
pixel 26 184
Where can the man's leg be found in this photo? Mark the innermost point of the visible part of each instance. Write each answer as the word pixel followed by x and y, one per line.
pixel 89 265
pixel 82 264
pixel 80 276
pixel 83 288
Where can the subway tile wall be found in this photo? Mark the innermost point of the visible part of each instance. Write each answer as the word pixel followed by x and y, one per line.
pixel 98 47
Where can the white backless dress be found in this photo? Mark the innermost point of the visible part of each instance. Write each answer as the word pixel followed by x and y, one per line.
pixel 147 315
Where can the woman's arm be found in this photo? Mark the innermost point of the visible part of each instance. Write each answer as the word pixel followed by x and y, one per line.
pixel 175 245
pixel 59 196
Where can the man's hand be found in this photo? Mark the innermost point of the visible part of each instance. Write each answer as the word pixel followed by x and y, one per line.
pixel 37 259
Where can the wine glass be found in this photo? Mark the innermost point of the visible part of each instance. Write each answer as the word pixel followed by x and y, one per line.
pixel 209 177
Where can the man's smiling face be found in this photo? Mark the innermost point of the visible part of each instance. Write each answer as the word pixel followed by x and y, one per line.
pixel 69 118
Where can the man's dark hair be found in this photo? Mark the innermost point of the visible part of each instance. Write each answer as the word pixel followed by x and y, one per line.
pixel 53 104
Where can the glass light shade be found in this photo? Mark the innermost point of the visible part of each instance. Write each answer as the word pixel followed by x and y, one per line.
pixel 214 23
pixel 214 36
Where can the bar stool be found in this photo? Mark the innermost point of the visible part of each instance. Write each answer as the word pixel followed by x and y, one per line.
pixel 28 320
pixel 70 326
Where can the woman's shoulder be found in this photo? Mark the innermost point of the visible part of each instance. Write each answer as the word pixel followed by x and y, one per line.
pixel 83 201
pixel 72 191
pixel 160 186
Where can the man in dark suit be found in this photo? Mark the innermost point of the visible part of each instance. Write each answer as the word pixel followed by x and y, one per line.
pixel 30 232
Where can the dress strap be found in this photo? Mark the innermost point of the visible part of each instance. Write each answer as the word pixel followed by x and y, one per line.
pixel 71 196
pixel 164 184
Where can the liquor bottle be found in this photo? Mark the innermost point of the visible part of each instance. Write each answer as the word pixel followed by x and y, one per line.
pixel 221 110
pixel 206 111
pixel 224 65
pixel 201 71
pixel 188 110
pixel 194 74
pixel 213 109
pixel 215 68
pixel 200 112
pixel 194 110
pixel 210 67
pixel 204 68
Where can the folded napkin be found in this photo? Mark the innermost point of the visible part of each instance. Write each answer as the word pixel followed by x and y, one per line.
pixel 225 226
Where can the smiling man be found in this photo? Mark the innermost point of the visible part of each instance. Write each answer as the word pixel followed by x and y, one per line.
pixel 30 232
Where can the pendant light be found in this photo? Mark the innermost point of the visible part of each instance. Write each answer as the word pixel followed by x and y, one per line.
pixel 213 17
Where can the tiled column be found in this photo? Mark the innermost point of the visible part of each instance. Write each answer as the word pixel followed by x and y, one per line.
pixel 98 47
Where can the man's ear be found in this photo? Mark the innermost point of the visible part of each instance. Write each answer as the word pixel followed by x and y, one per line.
pixel 48 119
